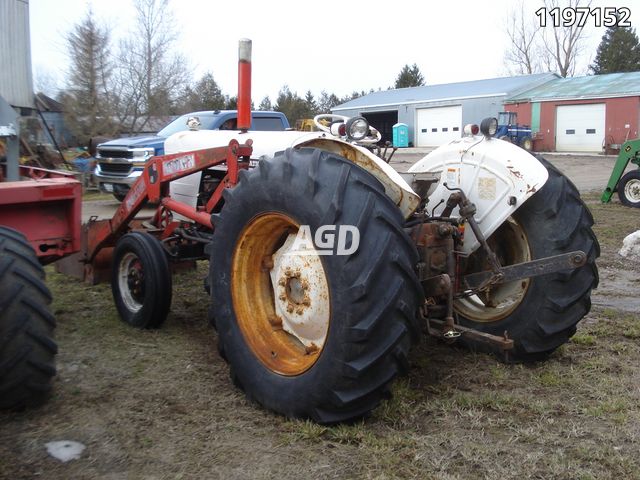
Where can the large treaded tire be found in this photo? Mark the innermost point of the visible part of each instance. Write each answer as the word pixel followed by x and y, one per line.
pixel 150 308
pixel 374 292
pixel 27 349
pixel 555 221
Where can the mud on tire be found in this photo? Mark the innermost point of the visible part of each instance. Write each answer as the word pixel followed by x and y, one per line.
pixel 27 349
pixel 374 293
pixel 555 221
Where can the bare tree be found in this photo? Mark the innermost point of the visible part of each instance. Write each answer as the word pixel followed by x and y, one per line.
pixel 86 97
pixel 150 74
pixel 522 53
pixel 564 44
pixel 533 48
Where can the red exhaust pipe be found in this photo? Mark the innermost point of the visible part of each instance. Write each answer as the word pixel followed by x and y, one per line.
pixel 244 85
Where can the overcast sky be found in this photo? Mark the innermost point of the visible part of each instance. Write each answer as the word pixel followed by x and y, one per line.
pixel 337 46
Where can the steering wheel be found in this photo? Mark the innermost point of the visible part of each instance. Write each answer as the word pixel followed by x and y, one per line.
pixel 329 117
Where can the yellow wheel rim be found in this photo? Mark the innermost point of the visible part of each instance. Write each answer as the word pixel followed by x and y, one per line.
pixel 280 295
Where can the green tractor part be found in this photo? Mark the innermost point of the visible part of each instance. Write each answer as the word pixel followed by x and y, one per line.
pixel 627 186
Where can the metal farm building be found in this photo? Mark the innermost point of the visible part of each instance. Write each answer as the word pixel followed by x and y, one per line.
pixel 588 114
pixel 16 82
pixel 436 114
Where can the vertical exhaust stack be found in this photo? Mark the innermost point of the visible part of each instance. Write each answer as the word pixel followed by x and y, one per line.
pixel 244 85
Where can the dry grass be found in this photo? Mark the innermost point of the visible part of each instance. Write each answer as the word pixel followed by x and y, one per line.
pixel 160 404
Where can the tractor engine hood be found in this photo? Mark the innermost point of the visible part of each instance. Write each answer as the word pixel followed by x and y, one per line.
pixel 266 144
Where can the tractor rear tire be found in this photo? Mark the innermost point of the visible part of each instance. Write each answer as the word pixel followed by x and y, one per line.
pixel 545 309
pixel 629 189
pixel 372 295
pixel 141 280
pixel 27 349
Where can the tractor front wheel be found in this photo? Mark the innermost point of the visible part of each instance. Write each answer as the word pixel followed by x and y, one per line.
pixel 141 280
pixel 629 189
pixel 314 325
pixel 27 349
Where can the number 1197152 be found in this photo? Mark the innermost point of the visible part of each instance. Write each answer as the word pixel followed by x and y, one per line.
pixel 578 16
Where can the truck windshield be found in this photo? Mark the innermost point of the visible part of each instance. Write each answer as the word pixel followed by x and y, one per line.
pixel 208 122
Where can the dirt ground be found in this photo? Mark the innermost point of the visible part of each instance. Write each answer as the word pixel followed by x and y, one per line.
pixel 160 404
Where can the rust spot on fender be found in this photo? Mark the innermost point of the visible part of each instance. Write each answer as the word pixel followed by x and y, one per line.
pixel 514 172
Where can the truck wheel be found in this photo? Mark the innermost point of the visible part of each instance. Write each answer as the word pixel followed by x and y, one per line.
pixel 141 280
pixel 309 334
pixel 27 349
pixel 527 144
pixel 629 189
pixel 540 313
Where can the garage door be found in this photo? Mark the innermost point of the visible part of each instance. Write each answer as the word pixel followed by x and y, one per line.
pixel 438 125
pixel 580 128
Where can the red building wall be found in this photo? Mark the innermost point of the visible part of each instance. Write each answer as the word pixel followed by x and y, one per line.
pixel 620 113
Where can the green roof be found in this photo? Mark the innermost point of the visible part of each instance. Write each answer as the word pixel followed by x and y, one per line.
pixel 592 86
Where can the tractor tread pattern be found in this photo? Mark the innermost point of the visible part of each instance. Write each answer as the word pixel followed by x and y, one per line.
pixel 27 348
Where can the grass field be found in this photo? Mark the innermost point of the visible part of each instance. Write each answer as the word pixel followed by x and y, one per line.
pixel 160 404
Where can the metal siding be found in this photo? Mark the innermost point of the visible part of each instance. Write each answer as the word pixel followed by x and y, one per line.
pixel 587 87
pixel 475 110
pixel 16 81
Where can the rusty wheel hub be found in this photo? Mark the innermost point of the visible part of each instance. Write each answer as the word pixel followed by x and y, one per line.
pixel 131 281
pixel 280 295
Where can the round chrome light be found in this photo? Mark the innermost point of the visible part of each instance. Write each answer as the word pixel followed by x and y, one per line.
pixel 357 128
pixel 489 126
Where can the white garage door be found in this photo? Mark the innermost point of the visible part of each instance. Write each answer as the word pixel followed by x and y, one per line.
pixel 580 128
pixel 438 125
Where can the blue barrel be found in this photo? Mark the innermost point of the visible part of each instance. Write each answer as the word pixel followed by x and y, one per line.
pixel 400 135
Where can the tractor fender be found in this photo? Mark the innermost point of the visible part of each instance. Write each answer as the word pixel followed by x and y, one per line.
pixel 498 177
pixel 266 144
pixel 396 188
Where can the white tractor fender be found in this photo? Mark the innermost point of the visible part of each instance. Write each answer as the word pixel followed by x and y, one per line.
pixel 497 176
pixel 395 187
pixel 266 144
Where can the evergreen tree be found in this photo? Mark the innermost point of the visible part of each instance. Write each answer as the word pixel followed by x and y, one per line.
pixel 409 76
pixel 619 51
pixel 294 107
pixel 204 95
pixel 265 104
pixel 312 106
pixel 87 102
pixel 327 101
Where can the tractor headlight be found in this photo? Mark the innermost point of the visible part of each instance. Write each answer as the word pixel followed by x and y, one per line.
pixel 489 126
pixel 357 128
